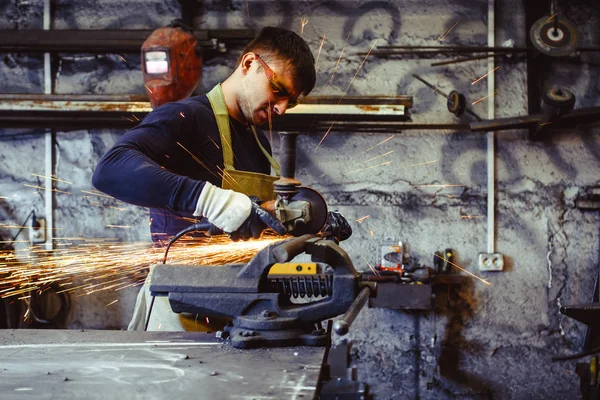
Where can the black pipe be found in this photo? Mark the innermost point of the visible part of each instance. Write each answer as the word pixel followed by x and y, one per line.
pixel 287 154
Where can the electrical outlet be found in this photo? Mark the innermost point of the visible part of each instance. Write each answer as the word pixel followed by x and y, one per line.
pixel 37 234
pixel 491 262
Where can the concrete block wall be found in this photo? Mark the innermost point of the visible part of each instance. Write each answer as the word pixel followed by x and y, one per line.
pixel 493 341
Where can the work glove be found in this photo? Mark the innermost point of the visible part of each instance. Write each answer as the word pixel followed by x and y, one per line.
pixel 337 226
pixel 235 213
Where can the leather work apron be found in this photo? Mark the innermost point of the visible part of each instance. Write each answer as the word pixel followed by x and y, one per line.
pixel 249 183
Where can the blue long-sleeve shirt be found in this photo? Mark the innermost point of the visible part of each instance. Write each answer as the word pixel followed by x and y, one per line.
pixel 164 162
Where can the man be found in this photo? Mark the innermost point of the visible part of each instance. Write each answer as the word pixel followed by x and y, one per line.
pixel 203 156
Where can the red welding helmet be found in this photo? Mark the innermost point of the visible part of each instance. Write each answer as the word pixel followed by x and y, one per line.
pixel 172 64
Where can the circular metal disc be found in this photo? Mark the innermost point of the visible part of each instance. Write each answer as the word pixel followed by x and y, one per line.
pixel 318 211
pixel 558 42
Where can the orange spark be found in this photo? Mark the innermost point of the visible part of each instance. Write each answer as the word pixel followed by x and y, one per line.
pixel 197 159
pixel 483 98
pixel 361 219
pixel 96 193
pixel 270 122
pixel 53 178
pixel 339 59
pixel 43 188
pixel 128 119
pixel 181 113
pixel 148 89
pixel 113 266
pixel 372 166
pixel 226 176
pixel 553 15
pixel 471 216
pixel 324 136
pixel 370 266
pixel 478 79
pixel 303 21
pixel 382 142
pixel 215 143
pixel 443 36
pixel 462 269
pixel 112 302
pixel 372 234
pixel 118 226
pixel 423 163
pixel 136 118
pixel 359 67
pixel 545 123
pixel 319 53
pixel 379 156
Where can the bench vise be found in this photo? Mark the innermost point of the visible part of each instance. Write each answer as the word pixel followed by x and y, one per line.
pixel 271 300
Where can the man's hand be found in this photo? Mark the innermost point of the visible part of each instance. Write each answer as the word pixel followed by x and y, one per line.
pixel 337 226
pixel 258 221
pixel 235 213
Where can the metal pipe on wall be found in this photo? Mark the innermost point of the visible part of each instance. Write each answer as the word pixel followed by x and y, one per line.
pixel 491 136
pixel 49 137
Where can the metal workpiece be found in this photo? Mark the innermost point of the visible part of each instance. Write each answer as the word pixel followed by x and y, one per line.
pixel 74 364
pixel 262 312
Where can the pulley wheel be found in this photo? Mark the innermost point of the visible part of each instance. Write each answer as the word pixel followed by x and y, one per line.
pixel 456 103
pixel 558 42
pixel 559 99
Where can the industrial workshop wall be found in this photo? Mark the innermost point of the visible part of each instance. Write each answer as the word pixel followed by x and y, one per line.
pixel 425 187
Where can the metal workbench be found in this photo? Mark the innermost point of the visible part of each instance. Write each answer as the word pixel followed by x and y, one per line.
pixel 67 364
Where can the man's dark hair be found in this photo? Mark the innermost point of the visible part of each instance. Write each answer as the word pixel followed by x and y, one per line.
pixel 286 45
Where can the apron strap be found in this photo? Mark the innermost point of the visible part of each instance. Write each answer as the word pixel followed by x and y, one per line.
pixel 219 107
pixel 272 161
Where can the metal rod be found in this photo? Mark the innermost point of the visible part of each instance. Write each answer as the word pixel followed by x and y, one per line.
pixel 342 325
pixel 458 48
pixel 460 60
pixel 102 41
pixel 430 86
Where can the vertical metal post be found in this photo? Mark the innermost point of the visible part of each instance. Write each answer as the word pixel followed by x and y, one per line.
pixel 49 143
pixel 491 150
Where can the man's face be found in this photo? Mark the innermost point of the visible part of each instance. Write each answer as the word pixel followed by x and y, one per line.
pixel 268 89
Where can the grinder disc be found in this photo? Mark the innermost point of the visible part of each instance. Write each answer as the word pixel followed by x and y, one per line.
pixel 318 211
pixel 556 43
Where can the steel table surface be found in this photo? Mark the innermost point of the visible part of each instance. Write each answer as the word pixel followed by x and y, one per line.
pixel 74 364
